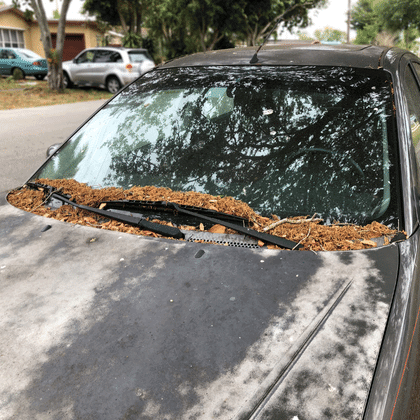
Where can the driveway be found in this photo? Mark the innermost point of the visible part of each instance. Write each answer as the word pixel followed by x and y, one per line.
pixel 25 135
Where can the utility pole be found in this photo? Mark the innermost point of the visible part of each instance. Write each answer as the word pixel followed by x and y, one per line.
pixel 348 22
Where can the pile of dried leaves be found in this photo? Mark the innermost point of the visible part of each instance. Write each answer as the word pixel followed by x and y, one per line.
pixel 306 230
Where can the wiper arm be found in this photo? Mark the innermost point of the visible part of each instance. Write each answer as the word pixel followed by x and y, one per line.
pixel 265 237
pixel 134 205
pixel 131 220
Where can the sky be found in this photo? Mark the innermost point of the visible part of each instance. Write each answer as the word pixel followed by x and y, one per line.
pixel 334 16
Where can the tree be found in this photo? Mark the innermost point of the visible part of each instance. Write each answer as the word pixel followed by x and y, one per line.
pixel 401 15
pixel 177 23
pixel 261 15
pixel 303 36
pixel 366 22
pixel 126 14
pixel 211 20
pixel 386 22
pixel 180 27
pixel 330 35
pixel 54 55
pixel 187 26
pixel 167 25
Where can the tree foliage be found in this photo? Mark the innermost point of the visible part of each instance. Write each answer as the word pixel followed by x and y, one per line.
pixel 399 14
pixel 186 26
pixel 387 22
pixel 127 14
pixel 259 16
pixel 330 35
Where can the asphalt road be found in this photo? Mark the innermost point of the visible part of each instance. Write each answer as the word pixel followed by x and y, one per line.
pixel 25 135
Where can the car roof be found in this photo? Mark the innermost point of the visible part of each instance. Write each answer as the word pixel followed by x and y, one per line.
pixel 118 49
pixel 289 54
pixel 22 50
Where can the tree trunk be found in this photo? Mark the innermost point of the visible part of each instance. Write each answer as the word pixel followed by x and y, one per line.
pixel 139 21
pixel 55 77
pixel 41 17
pixel 214 41
pixel 54 56
pixel 203 31
pixel 121 16
pixel 203 41
pixel 56 80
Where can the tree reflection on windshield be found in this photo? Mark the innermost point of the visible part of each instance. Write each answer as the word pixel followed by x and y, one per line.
pixel 288 141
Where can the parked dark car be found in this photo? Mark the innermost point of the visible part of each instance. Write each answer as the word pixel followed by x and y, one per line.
pixel 20 61
pixel 107 67
pixel 148 268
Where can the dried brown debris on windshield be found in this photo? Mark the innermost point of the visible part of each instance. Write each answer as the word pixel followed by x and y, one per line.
pixel 306 230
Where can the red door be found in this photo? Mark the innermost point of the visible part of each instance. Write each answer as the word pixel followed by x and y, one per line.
pixel 73 44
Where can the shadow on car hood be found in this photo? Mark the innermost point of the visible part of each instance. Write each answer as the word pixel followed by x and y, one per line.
pixel 101 324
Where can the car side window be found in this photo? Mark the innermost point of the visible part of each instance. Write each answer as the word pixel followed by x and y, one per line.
pixel 103 56
pixel 413 101
pixel 6 54
pixel 86 57
pixel 116 58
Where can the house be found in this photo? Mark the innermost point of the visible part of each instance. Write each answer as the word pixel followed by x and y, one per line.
pixel 19 32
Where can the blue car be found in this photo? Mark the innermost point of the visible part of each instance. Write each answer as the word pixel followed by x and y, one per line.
pixel 14 59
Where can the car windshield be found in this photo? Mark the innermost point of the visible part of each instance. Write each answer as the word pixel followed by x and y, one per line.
pixel 288 141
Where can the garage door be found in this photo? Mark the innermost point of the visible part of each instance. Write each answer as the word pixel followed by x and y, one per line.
pixel 73 44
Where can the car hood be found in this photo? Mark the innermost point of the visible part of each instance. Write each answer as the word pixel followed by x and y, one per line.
pixel 67 63
pixel 101 324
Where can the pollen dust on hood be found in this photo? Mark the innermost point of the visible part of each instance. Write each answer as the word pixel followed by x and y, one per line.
pixel 307 230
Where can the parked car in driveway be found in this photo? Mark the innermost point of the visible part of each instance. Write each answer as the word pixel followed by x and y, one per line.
pixel 231 236
pixel 14 60
pixel 107 67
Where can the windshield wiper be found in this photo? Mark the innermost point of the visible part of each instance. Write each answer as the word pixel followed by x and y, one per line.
pixel 163 229
pixel 131 220
pixel 201 213
pixel 133 205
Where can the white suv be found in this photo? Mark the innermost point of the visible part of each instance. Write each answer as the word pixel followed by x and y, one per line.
pixel 107 67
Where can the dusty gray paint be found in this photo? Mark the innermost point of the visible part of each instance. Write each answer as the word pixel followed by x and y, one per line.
pixel 396 345
pixel 100 324
pixel 330 380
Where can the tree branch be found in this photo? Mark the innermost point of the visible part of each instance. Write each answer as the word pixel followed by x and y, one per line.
pixel 279 17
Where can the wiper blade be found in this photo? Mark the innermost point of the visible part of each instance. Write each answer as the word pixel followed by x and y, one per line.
pixel 265 237
pixel 134 205
pixel 131 220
